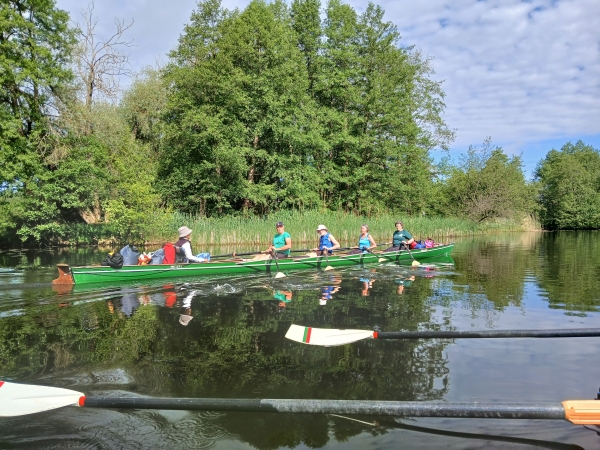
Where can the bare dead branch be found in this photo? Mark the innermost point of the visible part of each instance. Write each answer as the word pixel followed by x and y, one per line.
pixel 100 62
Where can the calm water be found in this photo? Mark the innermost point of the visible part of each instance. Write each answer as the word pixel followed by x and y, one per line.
pixel 224 337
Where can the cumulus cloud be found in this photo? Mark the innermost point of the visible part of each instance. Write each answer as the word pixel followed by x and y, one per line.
pixel 523 72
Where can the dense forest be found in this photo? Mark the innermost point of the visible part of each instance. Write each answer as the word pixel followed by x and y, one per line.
pixel 277 107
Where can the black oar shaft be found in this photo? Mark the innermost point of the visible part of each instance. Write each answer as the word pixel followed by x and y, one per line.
pixel 580 332
pixel 387 408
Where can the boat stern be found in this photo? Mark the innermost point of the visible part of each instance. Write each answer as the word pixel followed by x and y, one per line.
pixel 64 275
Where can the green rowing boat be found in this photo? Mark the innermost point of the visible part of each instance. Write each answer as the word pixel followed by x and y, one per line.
pixel 102 274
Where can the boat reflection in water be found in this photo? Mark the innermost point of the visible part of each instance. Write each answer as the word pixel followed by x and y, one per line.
pixel 132 298
pixel 328 290
pixel 403 283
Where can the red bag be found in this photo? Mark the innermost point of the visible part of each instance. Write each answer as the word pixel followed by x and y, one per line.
pixel 413 245
pixel 169 253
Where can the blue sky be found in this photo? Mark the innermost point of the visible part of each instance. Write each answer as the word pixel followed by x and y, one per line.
pixel 526 73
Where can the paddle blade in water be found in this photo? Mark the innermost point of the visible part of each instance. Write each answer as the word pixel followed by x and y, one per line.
pixel 326 337
pixel 22 399
pixel 280 275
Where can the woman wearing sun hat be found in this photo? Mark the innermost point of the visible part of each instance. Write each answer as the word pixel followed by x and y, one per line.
pixel 186 247
pixel 327 243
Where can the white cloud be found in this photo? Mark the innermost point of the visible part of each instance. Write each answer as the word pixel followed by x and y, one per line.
pixel 523 72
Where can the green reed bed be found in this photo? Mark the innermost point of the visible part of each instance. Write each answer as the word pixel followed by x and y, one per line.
pixel 258 232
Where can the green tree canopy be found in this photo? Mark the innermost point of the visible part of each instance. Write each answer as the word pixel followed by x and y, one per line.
pixel 35 44
pixel 273 108
pixel 570 187
pixel 488 185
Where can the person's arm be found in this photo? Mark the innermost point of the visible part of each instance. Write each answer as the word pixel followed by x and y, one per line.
pixel 410 239
pixel 373 243
pixel 187 250
pixel 334 241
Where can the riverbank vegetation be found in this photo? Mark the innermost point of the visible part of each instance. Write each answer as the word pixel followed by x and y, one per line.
pixel 303 112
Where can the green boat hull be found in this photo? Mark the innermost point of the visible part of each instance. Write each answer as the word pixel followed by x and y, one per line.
pixel 100 274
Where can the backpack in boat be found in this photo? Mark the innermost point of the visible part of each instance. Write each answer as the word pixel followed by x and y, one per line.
pixel 114 260
pixel 420 244
pixel 158 256
pixel 130 255
pixel 169 253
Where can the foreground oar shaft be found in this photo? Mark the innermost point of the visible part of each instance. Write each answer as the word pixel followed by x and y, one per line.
pixel 330 337
pixel 489 334
pixel 22 399
pixel 588 408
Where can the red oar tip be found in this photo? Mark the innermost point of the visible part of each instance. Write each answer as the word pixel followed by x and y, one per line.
pixel 375 334
pixel 82 400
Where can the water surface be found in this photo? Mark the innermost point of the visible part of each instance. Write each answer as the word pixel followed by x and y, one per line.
pixel 224 337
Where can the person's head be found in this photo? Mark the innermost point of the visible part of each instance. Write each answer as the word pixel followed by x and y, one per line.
pixel 279 227
pixel 399 225
pixel 364 228
pixel 321 229
pixel 184 232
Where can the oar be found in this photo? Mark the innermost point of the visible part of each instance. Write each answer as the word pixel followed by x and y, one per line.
pixel 327 259
pixel 415 262
pixel 22 399
pixel 330 337
pixel 279 273
pixel 234 254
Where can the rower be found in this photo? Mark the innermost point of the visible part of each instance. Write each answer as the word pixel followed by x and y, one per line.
pixel 281 246
pixel 400 238
pixel 186 247
pixel 327 242
pixel 365 241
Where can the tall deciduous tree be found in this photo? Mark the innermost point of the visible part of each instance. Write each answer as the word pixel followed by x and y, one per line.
pixel 35 44
pixel 569 181
pixel 234 117
pixel 271 108
pixel 101 61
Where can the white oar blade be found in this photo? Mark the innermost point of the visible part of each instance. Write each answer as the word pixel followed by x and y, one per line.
pixel 21 399
pixel 280 275
pixel 326 337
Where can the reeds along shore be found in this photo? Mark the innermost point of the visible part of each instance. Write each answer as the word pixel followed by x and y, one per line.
pixel 302 226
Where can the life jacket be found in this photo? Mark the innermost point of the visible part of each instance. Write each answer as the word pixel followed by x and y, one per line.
pixel 179 253
pixel 325 241
pixel 169 253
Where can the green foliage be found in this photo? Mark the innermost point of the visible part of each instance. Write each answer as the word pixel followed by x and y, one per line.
pixel 271 109
pixel 570 187
pixel 35 43
pixel 64 191
pixel 251 233
pixel 488 185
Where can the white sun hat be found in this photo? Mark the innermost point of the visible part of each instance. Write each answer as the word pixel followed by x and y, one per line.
pixel 321 227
